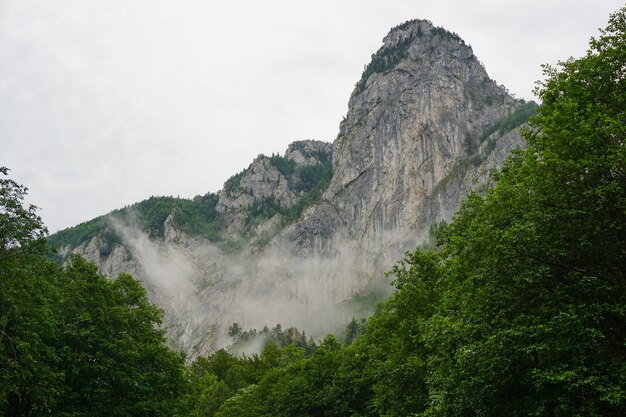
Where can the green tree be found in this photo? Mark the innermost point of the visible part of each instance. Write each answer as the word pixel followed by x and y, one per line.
pixel 392 347
pixel 29 376
pixel 73 342
pixel 115 361
pixel 19 225
pixel 234 331
pixel 205 396
pixel 534 318
pixel 223 384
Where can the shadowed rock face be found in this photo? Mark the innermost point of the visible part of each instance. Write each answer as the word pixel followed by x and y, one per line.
pixel 418 137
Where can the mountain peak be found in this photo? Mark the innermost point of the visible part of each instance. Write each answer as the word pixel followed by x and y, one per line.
pixel 409 29
pixel 414 43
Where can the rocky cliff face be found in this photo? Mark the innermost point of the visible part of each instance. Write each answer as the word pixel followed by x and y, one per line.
pixel 421 112
pixel 271 180
pixel 296 246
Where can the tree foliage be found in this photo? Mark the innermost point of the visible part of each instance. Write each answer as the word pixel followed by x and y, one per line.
pixel 197 217
pixel 535 307
pixel 19 224
pixel 73 342
pixel 111 353
pixel 291 336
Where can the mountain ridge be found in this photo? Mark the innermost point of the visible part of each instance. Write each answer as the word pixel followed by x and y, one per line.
pixel 294 238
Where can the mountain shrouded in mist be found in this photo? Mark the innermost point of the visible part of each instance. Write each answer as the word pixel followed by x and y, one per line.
pixel 303 238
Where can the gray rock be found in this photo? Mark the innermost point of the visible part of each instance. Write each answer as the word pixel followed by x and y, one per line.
pixel 309 152
pixel 406 132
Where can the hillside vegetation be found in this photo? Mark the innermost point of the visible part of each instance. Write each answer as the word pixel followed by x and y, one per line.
pixel 199 216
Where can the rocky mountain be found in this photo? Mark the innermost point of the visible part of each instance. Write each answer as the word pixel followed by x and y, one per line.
pixel 303 239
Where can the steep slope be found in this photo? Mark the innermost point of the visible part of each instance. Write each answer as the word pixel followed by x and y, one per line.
pixel 415 133
pixel 299 239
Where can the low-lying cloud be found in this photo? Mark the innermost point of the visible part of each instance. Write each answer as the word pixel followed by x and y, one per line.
pixel 203 290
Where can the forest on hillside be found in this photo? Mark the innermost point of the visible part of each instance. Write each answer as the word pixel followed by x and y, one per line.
pixel 519 310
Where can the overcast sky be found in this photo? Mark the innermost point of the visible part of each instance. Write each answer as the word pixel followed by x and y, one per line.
pixel 105 103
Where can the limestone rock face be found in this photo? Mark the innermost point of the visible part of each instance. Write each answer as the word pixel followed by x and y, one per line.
pixel 269 180
pixel 260 181
pixel 408 129
pixel 309 152
pixel 263 181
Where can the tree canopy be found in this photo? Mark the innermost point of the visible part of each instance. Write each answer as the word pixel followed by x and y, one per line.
pixel 73 342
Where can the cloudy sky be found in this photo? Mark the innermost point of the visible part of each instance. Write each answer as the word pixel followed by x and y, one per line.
pixel 105 103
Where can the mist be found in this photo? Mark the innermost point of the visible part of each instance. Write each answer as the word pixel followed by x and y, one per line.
pixel 203 290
